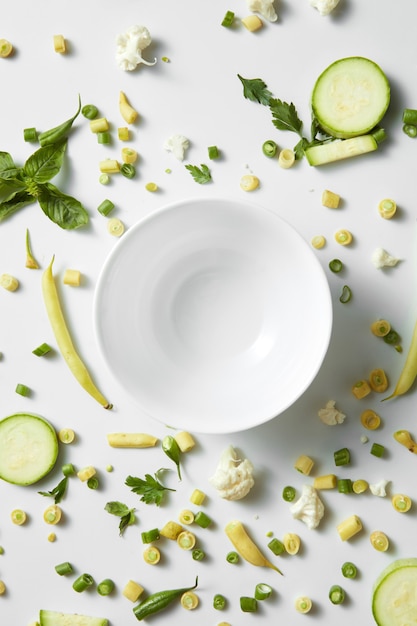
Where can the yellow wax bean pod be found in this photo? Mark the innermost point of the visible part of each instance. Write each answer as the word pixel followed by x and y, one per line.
pixel 245 546
pixel 128 113
pixel 131 440
pixel 63 337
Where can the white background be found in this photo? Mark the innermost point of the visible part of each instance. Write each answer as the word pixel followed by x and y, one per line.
pixel 199 95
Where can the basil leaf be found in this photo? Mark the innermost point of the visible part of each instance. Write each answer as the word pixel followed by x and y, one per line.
pixel 9 188
pixel 63 210
pixel 46 162
pixel 117 508
pixel 18 201
pixel 8 169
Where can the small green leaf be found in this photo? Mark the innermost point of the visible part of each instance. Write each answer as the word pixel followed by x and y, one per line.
pixel 150 488
pixel 201 175
pixel 256 90
pixel 127 516
pixel 64 210
pixel 285 116
pixel 46 162
pixel 172 450
pixel 16 202
pixel 57 492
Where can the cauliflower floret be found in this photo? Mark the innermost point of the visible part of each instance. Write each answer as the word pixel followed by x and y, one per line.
pixel 130 45
pixel 308 508
pixel 330 415
pixel 265 8
pixel 381 258
pixel 378 489
pixel 324 7
pixel 233 477
pixel 177 144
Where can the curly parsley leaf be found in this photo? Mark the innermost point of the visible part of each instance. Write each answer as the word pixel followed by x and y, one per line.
pixel 256 90
pixel 127 516
pixel 150 488
pixel 58 492
pixel 201 175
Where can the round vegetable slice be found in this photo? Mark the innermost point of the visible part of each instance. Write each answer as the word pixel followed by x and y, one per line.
pixel 350 97
pixel 28 448
pixel 394 601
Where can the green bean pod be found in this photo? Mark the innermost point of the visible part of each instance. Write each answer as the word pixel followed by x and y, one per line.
pixel 59 132
pixel 159 600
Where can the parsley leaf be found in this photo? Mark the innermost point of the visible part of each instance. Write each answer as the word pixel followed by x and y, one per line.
pixel 285 116
pixel 57 492
pixel 150 488
pixel 127 516
pixel 255 89
pixel 201 175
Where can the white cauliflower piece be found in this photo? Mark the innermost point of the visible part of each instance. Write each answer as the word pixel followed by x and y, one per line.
pixel 177 144
pixel 330 415
pixel 379 488
pixel 308 508
pixel 265 8
pixel 130 46
pixel 381 258
pixel 324 7
pixel 233 477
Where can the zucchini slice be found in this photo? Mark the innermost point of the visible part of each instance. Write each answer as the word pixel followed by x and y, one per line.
pixel 350 97
pixel 54 618
pixel 28 448
pixel 343 149
pixel 394 600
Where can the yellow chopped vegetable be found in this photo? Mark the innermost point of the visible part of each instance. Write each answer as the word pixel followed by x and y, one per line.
pixel 51 537
pixel 123 133
pixel 86 472
pixel 171 530
pixel 318 242
pixel 115 227
pixel 380 328
pixel 72 277
pixel 185 441
pixel 401 502
pixel 387 208
pixel 252 23
pixel 304 464
pixel 186 516
pixel 6 48
pixel 292 543
pixel 2 588
pixel 52 514
pixel 8 282
pixel 132 590
pixel 129 155
pixel 360 486
pixel 18 517
pixel 128 113
pixel 151 186
pixel 361 389
pixel 303 604
pixel 249 182
pixel 109 166
pixel 327 481
pixel 349 527
pixel 378 380
pixel 186 540
pixel 131 440
pixel 344 237
pixel 66 435
pixel 151 555
pixel 379 540
pixel 60 44
pixel 99 125
pixel 330 199
pixel 197 497
pixel 286 158
pixel 189 600
pixel 370 420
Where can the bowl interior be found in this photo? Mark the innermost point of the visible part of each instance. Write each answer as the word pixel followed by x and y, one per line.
pixel 204 313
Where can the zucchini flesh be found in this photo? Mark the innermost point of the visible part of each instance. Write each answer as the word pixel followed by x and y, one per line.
pixel 343 149
pixel 55 618
pixel 28 448
pixel 350 97
pixel 394 598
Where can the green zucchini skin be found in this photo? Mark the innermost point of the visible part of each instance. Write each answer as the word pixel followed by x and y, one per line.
pixel 350 97
pixel 394 601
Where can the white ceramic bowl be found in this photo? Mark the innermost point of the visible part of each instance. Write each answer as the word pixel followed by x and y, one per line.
pixel 214 314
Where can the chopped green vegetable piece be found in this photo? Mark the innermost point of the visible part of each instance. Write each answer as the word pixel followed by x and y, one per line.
pixel 341 457
pixel 23 390
pixel 410 130
pixel 344 485
pixel 148 536
pixel 92 482
pixel 90 111
pixel 349 570
pixel 336 594
pixel 269 148
pixel 213 152
pixel 377 449
pixel 232 557
pixel 219 602
pixel 30 134
pixel 202 519
pixel 128 170
pixel 83 582
pixel 228 19
pixel 346 294
pixel 248 604
pixel 410 116
pixel 262 591
pixel 198 554
pixel 288 493
pixel 64 568
pixel 336 265
pixel 276 546
pixel 105 587
pixel 103 137
pixel 41 350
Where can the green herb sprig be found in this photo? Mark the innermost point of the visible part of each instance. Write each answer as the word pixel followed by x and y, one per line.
pixel 201 175
pixel 151 489
pixel 127 516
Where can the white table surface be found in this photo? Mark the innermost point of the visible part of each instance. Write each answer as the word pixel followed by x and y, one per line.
pixel 198 94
